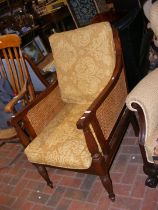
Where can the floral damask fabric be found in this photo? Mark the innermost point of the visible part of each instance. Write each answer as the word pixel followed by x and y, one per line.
pixel 61 144
pixel 85 60
pixel 84 11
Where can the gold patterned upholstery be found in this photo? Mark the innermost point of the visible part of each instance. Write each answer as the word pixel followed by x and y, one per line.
pixel 82 115
pixel 81 56
pixel 61 143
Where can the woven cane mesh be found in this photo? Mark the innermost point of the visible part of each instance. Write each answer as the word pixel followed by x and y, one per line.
pixel 109 111
pixel 41 114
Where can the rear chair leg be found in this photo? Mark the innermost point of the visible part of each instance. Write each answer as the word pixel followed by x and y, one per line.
pixel 43 172
pixel 151 170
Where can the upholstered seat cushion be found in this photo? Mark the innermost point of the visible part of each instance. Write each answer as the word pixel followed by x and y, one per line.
pixel 85 61
pixel 61 143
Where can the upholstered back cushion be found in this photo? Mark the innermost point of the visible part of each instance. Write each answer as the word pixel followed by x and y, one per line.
pixel 85 60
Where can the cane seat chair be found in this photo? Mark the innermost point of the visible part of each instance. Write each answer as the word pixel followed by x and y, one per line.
pixel 15 81
pixel 82 117
pixel 145 105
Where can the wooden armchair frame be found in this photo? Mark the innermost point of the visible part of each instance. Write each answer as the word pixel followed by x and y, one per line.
pixel 101 162
pixel 13 68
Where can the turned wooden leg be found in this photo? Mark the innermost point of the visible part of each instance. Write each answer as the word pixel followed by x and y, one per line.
pixel 150 169
pixel 103 173
pixel 135 124
pixel 43 172
pixel 152 172
pixel 107 183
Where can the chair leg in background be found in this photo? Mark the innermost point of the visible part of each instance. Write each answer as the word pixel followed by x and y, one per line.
pixel 150 169
pixel 151 181
pixel 43 172
pixel 9 164
pixel 135 124
pixel 152 172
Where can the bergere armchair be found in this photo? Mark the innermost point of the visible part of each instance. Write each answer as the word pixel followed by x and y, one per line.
pixel 15 82
pixel 79 122
pixel 143 100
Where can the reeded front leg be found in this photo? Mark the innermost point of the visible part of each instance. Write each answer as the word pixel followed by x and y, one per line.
pixel 43 172
pixel 107 183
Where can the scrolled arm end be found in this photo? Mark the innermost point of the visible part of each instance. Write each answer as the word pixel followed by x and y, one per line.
pixel 84 119
pixel 144 99
pixel 10 106
pixel 145 93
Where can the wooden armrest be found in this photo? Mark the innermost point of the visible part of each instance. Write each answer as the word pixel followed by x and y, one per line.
pixel 10 106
